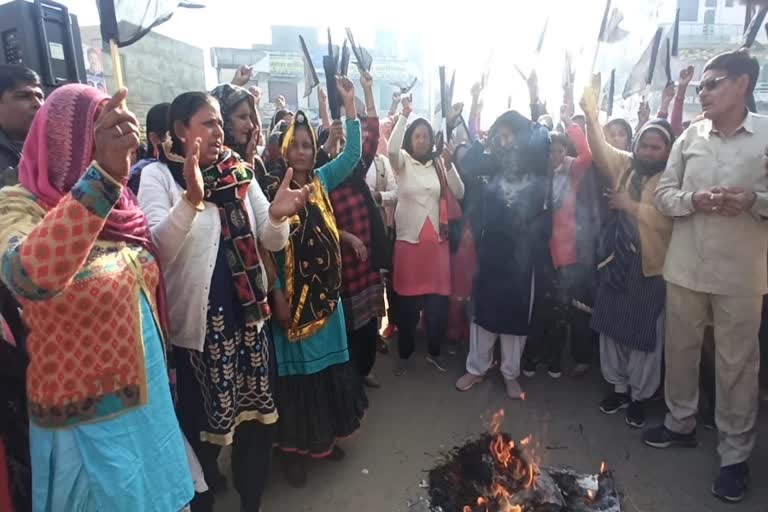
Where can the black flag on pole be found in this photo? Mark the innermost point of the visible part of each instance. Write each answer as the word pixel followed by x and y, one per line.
pixel 362 57
pixel 609 94
pixel 331 68
pixel 310 75
pixel 642 74
pixel 754 27
pixel 127 21
pixel 344 65
pixel 676 36
pixel 540 44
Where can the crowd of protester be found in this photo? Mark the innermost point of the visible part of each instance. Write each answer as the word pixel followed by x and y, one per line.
pixel 234 282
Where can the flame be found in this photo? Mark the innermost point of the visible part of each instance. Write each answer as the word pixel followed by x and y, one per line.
pixel 531 474
pixel 501 450
pixel 498 419
pixel 481 501
pixel 590 495
pixel 522 397
pixel 503 496
pixel 526 441
pixel 602 468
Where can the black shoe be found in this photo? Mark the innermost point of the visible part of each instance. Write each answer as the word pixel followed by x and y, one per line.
pixel 732 483
pixel 555 371
pixel 636 414
pixel 662 437
pixel 614 402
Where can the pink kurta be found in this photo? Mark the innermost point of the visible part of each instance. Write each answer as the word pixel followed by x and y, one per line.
pixel 423 268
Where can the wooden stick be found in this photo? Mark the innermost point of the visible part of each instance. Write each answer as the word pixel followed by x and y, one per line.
pixel 117 67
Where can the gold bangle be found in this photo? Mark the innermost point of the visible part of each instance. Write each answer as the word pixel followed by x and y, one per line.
pixel 198 207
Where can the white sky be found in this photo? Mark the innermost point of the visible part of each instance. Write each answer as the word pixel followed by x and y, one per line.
pixel 461 36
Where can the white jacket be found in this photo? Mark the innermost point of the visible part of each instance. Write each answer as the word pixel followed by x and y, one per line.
pixel 188 243
pixel 418 188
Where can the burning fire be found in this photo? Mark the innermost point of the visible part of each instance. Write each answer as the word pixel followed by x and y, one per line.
pixel 602 468
pixel 498 419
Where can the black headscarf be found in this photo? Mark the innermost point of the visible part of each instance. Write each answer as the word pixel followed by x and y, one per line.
pixel 230 97
pixel 408 140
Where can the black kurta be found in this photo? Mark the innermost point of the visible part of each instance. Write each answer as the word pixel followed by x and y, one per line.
pixel 515 226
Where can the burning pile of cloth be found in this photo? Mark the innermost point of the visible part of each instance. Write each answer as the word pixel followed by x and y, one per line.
pixel 491 474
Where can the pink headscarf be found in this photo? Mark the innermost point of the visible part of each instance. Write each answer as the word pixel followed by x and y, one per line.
pixel 58 150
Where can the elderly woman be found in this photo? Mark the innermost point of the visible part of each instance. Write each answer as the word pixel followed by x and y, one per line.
pixel 209 218
pixel 422 268
pixel 77 253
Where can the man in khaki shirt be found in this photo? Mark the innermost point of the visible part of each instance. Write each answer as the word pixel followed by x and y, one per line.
pixel 715 188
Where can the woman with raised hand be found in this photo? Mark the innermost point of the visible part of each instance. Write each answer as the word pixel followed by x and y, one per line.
pixel 77 254
pixel 209 218
pixel 319 391
pixel 422 260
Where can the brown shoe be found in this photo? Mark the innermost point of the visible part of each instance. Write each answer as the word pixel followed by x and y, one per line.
pixel 467 381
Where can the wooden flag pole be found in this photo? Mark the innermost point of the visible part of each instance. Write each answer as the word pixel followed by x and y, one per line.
pixel 117 68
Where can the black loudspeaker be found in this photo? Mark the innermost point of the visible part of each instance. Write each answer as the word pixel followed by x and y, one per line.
pixel 44 36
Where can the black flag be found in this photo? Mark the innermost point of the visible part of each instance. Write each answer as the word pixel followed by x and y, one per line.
pixel 540 45
pixel 676 36
pixel 127 21
pixel 344 65
pixel 310 75
pixel 331 68
pixel 754 27
pixel 609 94
pixel 362 57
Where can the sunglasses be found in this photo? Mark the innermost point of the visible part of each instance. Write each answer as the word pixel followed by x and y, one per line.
pixel 710 85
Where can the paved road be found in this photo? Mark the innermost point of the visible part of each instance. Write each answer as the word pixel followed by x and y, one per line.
pixel 415 417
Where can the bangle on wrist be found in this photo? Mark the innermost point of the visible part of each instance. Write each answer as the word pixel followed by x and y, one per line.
pixel 197 206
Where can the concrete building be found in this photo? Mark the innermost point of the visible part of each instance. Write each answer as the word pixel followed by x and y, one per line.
pixel 155 70
pixel 279 68
pixel 709 27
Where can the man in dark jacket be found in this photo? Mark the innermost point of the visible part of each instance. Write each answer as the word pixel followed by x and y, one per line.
pixel 21 96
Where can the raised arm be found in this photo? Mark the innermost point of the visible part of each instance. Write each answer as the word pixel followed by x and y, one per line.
pixel 676 117
pixel 337 170
pixel 395 145
pixel 610 161
pixel 322 105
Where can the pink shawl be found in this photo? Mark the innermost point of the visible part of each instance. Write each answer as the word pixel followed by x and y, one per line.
pixel 58 150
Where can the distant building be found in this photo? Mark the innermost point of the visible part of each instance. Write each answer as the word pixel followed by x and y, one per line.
pixel 710 27
pixel 279 68
pixel 155 70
